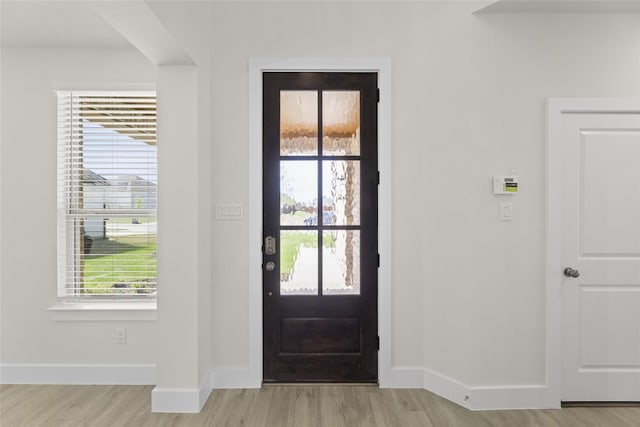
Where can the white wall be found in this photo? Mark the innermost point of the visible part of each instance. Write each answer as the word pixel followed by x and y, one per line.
pixel 468 103
pixel 28 247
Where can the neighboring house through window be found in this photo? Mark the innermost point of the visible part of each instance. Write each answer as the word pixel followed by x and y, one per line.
pixel 107 192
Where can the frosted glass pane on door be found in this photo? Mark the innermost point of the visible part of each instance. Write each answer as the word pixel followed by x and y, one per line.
pixel 341 123
pixel 298 192
pixel 341 262
pixel 298 122
pixel 341 192
pixel 298 262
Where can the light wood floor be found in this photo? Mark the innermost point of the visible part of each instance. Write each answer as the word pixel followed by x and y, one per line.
pixel 295 406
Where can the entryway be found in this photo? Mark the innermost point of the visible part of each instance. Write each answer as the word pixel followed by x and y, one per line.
pixel 320 227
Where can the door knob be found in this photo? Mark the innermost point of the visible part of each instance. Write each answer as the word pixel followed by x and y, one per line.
pixel 570 272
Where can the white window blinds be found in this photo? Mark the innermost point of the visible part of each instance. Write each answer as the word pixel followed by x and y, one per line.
pixel 107 192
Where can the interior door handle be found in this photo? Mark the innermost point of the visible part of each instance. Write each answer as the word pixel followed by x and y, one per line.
pixel 570 272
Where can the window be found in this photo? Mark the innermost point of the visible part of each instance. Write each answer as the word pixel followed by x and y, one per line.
pixel 107 191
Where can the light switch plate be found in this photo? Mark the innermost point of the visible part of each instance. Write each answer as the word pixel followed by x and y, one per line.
pixel 506 211
pixel 229 211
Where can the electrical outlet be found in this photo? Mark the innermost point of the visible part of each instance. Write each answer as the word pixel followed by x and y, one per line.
pixel 121 336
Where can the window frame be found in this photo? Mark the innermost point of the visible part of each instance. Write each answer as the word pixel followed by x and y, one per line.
pixel 71 303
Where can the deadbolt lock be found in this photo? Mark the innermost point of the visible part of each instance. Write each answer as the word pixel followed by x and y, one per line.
pixel 270 245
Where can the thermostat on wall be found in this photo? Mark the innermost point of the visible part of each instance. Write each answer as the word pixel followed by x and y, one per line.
pixel 505 184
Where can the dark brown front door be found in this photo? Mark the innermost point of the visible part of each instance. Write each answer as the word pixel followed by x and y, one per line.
pixel 320 204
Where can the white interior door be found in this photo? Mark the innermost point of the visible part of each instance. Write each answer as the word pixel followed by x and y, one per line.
pixel 601 242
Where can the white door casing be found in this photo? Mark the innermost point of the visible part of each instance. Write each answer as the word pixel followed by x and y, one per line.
pixel 594 181
pixel 253 377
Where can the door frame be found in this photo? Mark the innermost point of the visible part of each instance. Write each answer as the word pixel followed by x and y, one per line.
pixel 381 66
pixel 556 108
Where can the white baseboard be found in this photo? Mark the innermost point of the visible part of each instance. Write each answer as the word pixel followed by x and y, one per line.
pixel 404 378
pixel 77 374
pixel 192 400
pixel 446 387
pixel 234 378
pixel 474 398
pixel 511 397
pixel 178 400
pixel 181 400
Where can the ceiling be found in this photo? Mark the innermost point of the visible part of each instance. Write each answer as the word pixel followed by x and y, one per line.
pixel 55 24
pixel 75 23
pixel 563 6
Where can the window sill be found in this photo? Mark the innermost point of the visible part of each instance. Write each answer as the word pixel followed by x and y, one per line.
pixel 104 311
